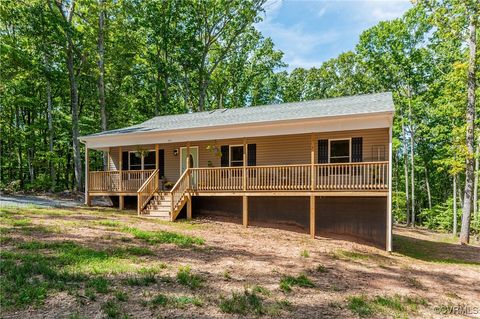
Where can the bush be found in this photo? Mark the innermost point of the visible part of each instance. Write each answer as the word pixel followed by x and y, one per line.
pixel 440 216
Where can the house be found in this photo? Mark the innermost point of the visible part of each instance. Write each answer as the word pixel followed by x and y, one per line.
pixel 319 166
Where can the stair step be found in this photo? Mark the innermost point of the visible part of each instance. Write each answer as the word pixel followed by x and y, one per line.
pixel 161 202
pixel 159 214
pixel 161 208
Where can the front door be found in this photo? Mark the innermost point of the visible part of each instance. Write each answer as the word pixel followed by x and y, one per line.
pixel 193 158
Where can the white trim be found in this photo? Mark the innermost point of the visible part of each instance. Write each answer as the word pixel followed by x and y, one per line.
pixel 349 139
pixel 317 125
pixel 230 154
pixel 389 198
pixel 185 148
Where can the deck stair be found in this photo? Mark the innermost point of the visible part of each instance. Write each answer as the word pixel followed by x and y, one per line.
pixel 160 206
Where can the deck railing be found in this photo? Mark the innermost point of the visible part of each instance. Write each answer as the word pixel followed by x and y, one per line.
pixel 147 190
pixel 363 176
pixel 111 181
pixel 300 177
pixel 179 192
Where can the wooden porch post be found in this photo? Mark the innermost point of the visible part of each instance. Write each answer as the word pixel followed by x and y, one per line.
pixel 313 181
pixel 120 164
pixel 189 197
pixel 312 216
pixel 109 157
pixel 312 162
pixel 244 164
pixel 156 157
pixel 245 197
pixel 389 198
pixel 87 167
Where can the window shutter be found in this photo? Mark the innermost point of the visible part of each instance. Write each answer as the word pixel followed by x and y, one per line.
pixel 161 165
pixel 322 151
pixel 225 160
pixel 357 149
pixel 125 161
pixel 252 154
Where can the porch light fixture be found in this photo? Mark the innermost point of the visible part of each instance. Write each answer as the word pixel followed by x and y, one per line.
pixel 175 152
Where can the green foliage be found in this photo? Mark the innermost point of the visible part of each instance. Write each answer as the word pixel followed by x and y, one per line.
pixel 440 216
pixel 286 282
pixel 360 306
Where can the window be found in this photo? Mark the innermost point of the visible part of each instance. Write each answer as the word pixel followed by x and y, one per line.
pixel 149 160
pixel 137 161
pixel 236 155
pixel 339 151
pixel 134 161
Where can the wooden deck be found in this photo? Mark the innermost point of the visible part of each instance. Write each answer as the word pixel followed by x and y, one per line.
pixel 346 179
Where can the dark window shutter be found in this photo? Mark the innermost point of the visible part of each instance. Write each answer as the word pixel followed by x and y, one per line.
pixel 225 160
pixel 252 154
pixel 125 161
pixel 161 164
pixel 357 149
pixel 322 151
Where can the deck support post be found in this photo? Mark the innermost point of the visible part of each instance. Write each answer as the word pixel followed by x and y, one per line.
pixel 389 198
pixel 245 210
pixel 87 166
pixel 312 216
pixel 121 203
pixel 189 206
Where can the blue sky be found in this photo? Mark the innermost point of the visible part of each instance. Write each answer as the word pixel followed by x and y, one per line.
pixel 310 32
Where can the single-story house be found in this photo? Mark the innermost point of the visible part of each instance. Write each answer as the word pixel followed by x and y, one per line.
pixel 322 166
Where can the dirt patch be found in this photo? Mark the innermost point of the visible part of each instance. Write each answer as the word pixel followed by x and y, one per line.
pixel 426 268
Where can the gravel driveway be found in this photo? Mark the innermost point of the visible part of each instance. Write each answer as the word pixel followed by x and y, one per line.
pixel 43 201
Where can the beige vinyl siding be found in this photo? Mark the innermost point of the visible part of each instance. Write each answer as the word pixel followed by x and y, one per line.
pixel 271 150
pixel 114 158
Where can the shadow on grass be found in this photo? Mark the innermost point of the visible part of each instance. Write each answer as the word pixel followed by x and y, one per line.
pixel 438 252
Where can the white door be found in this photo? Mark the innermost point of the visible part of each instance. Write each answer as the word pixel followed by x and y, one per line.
pixel 193 158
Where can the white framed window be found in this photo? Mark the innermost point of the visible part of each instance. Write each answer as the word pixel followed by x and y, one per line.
pixel 339 150
pixel 140 162
pixel 236 155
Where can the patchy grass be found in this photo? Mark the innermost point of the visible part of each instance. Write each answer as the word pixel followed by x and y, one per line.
pixel 186 278
pixel 399 306
pixel 245 303
pixel 112 310
pixel 100 284
pixel 305 253
pixel 321 269
pixel 109 223
pixel 139 251
pixel 146 279
pixel 176 301
pixel 426 250
pixel 164 237
pixel 287 282
pixel 349 255
pixel 121 296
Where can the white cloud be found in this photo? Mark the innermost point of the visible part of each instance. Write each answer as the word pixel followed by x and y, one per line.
pixel 379 10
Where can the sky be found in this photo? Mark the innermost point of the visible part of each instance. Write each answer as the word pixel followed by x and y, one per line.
pixel 311 32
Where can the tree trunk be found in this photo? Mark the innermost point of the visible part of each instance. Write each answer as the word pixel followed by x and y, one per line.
pixel 412 161
pixel 405 164
pixel 101 69
pixel 475 184
pixel 429 194
pixel 77 161
pixel 469 173
pixel 53 176
pixel 454 205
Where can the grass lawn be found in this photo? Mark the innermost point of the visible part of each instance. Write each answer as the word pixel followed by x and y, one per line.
pixel 84 263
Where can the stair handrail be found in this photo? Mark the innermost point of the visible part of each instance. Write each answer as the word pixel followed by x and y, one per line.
pixel 147 190
pixel 181 186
